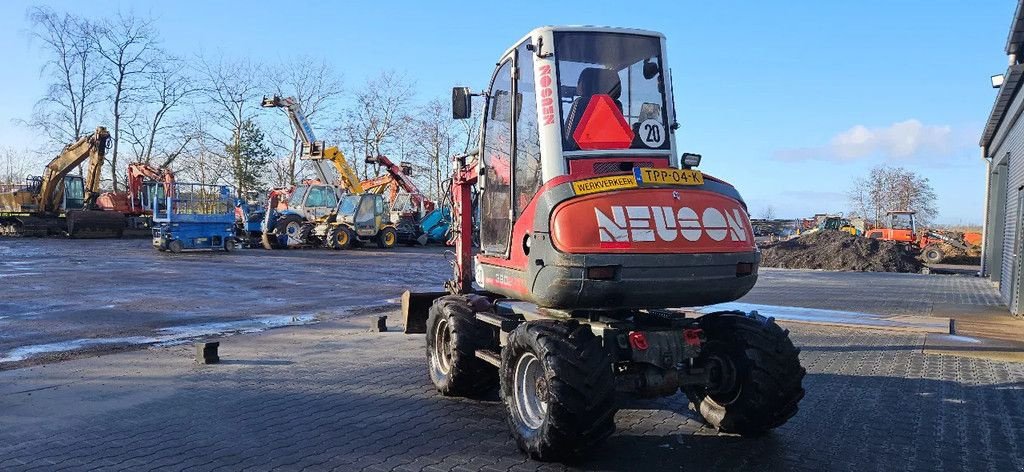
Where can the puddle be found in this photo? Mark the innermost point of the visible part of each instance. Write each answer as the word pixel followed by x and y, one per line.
pixel 798 313
pixel 166 336
pixel 26 352
pixel 817 315
pixel 960 339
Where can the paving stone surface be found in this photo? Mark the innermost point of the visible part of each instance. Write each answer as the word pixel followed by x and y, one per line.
pixel 335 397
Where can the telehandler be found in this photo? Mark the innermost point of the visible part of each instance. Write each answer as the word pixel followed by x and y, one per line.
pixel 591 229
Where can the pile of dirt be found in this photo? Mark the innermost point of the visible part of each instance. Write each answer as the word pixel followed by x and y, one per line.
pixel 836 250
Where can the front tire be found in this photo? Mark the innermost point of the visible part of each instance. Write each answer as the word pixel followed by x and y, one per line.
pixel 339 237
pixel 757 380
pixel 453 336
pixel 289 231
pixel 558 388
pixel 387 237
pixel 175 246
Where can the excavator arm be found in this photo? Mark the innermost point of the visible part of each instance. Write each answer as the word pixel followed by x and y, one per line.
pixel 92 147
pixel 312 149
pixel 400 174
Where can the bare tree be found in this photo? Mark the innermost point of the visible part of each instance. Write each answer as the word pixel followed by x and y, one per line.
pixel 381 105
pixel 72 73
pixel 887 189
pixel 15 165
pixel 201 159
pixel 433 132
pixel 232 90
pixel 768 213
pixel 150 130
pixel 317 87
pixel 128 46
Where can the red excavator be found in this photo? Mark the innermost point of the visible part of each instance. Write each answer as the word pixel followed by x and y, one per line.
pixel 133 202
pixel 589 242
pixel 407 202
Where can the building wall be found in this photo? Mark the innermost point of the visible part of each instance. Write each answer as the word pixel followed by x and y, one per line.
pixel 1009 143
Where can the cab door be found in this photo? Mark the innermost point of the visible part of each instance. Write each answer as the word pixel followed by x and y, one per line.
pixel 496 173
pixel 74 193
pixel 366 216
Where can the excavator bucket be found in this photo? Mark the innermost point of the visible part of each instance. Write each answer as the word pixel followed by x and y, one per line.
pixel 415 308
pixel 92 224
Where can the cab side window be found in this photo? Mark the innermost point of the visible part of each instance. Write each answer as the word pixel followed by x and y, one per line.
pixel 495 199
pixel 527 158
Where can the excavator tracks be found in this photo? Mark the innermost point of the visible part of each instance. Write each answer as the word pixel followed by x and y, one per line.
pixel 95 224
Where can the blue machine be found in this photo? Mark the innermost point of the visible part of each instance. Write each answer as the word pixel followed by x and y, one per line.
pixel 436 223
pixel 193 216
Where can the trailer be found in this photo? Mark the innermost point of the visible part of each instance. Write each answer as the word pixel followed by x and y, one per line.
pixel 190 216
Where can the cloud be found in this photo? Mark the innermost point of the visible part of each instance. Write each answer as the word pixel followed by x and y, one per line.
pixel 904 140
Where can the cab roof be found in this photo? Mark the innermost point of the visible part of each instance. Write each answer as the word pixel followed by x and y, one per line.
pixel 582 29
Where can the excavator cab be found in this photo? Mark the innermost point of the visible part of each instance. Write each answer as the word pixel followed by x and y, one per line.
pixel 902 227
pixel 582 195
pixel 74 192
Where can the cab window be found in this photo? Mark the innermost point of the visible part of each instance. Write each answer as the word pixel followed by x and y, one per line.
pixel 495 199
pixel 527 157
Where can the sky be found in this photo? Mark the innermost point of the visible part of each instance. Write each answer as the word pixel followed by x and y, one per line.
pixel 787 100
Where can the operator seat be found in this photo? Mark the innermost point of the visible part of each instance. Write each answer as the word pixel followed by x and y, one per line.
pixel 592 81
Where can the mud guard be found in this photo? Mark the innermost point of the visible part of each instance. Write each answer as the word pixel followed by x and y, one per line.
pixel 415 307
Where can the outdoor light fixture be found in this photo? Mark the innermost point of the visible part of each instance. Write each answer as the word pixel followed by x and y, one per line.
pixel 997 80
pixel 691 159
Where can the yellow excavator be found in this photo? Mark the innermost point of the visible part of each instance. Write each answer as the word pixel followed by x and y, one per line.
pixel 60 203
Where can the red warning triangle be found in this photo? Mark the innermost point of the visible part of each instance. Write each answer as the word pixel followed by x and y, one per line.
pixel 603 126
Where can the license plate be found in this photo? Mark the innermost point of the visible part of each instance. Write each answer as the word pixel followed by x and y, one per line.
pixel 656 176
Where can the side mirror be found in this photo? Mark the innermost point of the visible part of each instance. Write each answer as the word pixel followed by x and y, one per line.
pixel 462 106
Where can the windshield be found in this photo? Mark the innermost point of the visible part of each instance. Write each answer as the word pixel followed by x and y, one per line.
pixel 348 204
pixel 611 91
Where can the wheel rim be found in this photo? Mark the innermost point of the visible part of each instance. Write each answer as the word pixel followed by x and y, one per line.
pixel 724 387
pixel 530 391
pixel 292 232
pixel 342 238
pixel 442 357
pixel 389 238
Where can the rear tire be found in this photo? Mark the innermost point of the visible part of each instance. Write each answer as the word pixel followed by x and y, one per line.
pixel 558 388
pixel 175 246
pixel 387 237
pixel 933 255
pixel 230 245
pixel 453 336
pixel 758 372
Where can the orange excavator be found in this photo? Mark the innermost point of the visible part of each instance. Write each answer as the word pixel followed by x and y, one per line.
pixel 134 202
pixel 408 204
